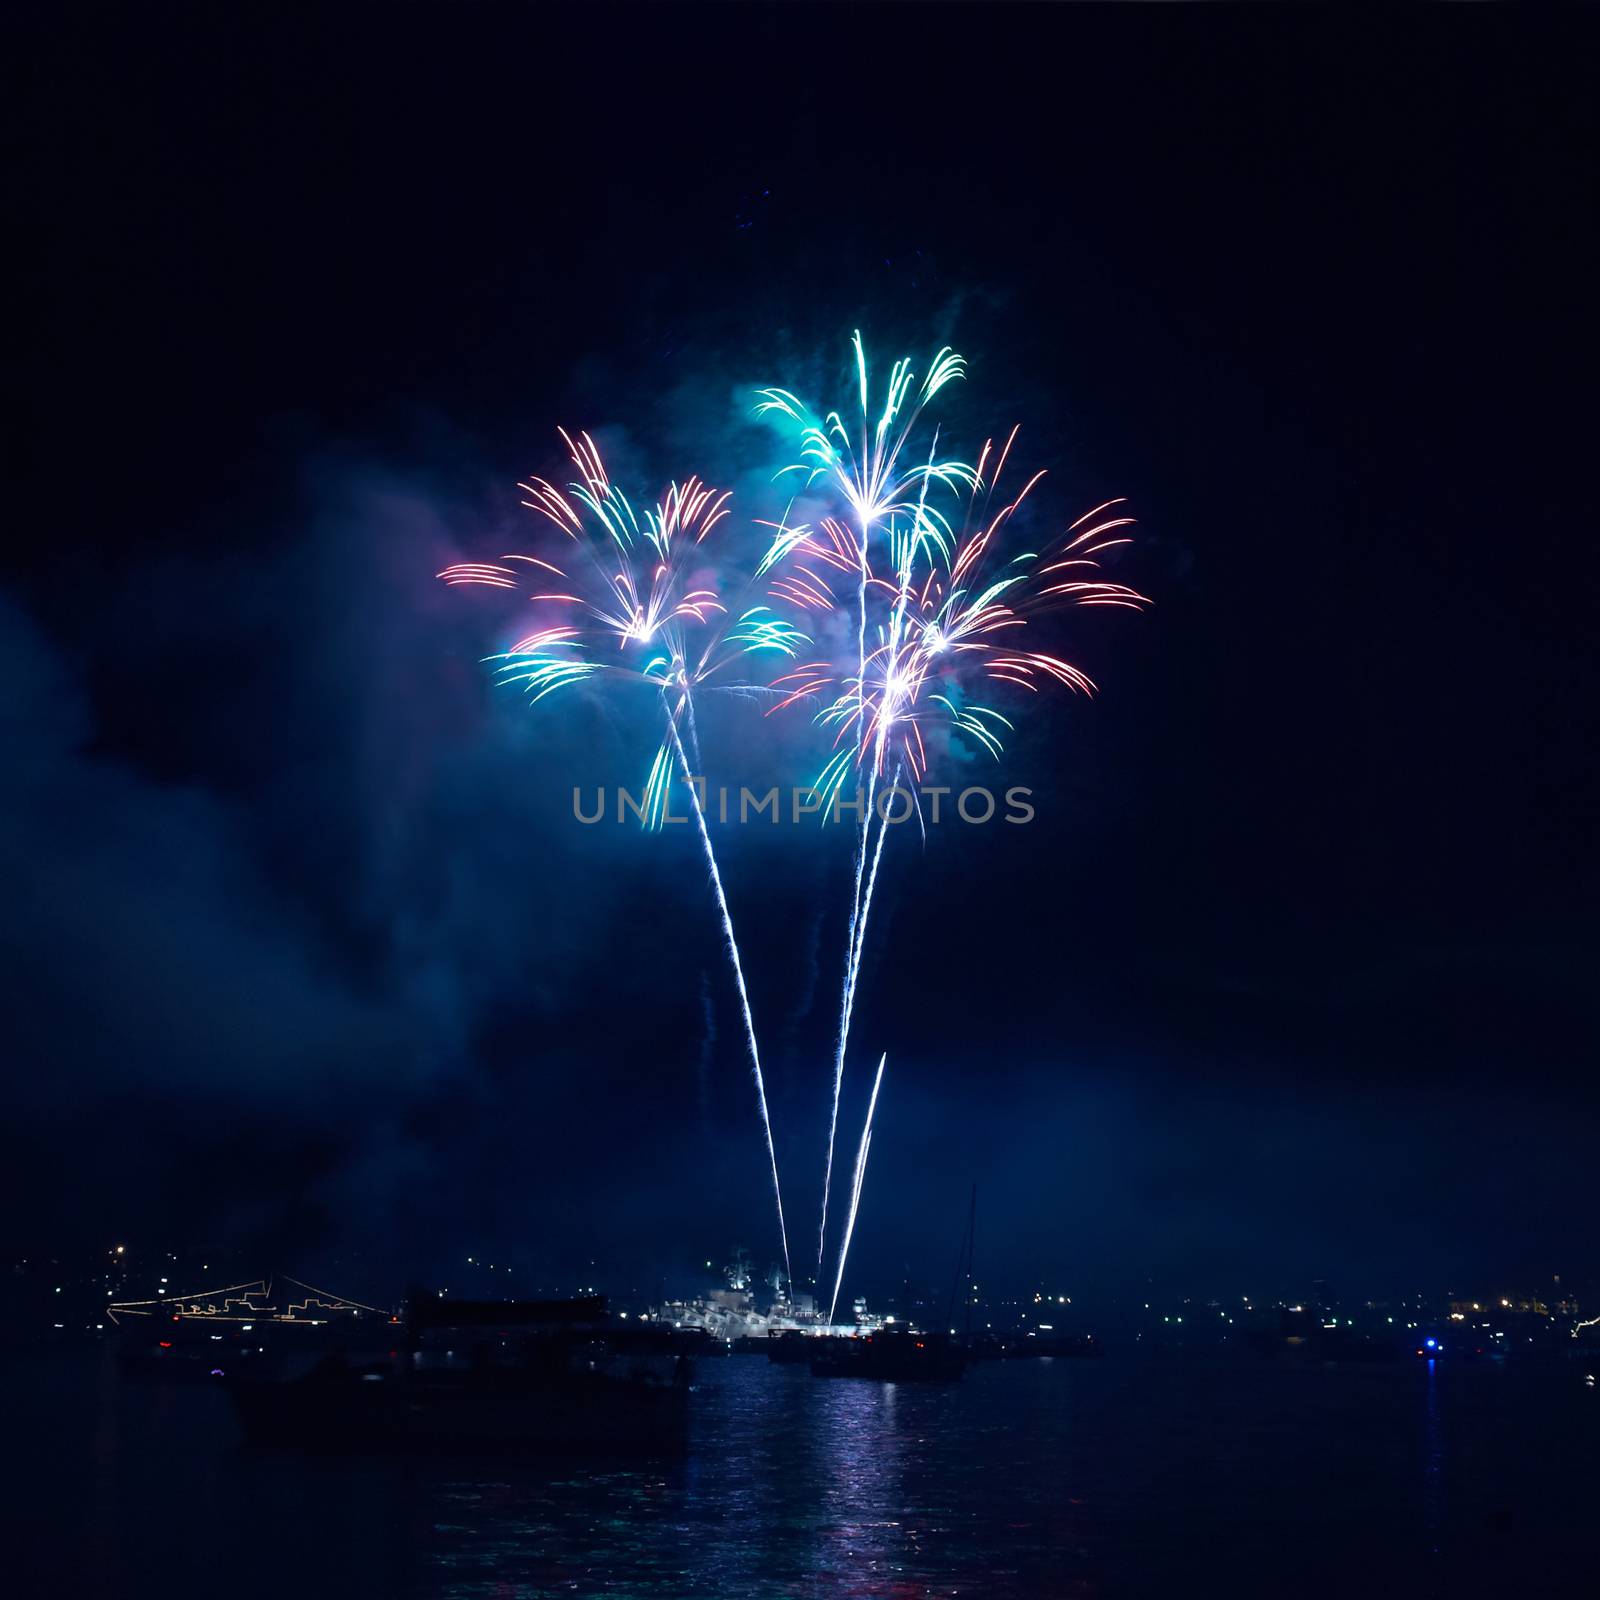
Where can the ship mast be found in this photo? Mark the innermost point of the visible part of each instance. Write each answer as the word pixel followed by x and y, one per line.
pixel 964 1262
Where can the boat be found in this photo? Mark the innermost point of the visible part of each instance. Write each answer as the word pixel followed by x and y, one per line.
pixel 558 1376
pixel 791 1347
pixel 895 1355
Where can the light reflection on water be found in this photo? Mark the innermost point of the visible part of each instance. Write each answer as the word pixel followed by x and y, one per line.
pixel 1119 1477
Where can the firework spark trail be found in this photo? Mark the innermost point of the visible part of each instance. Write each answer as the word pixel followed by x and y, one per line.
pixel 842 1042
pixel 858 943
pixel 855 1187
pixel 738 977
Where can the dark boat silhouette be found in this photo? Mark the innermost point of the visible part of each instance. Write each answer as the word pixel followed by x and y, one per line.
pixel 897 1355
pixel 790 1348
pixel 530 1375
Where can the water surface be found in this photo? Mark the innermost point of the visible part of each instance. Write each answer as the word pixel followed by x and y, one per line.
pixel 1126 1476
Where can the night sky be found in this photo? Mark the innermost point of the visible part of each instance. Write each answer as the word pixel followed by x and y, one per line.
pixel 303 954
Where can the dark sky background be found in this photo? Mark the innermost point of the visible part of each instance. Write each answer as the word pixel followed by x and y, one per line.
pixel 1294 975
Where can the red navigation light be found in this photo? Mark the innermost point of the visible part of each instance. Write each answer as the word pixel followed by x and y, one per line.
pixel 166 1344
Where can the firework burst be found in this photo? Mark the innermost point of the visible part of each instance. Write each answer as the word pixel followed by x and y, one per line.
pixel 870 467
pixel 952 621
pixel 639 607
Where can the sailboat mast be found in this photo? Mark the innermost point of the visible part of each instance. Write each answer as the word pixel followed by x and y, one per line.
pixel 972 1239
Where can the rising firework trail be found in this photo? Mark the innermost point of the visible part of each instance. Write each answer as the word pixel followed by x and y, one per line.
pixel 738 978
pixel 867 472
pixel 643 611
pixel 855 1187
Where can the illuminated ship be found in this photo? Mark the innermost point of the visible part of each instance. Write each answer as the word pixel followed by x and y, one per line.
pixel 256 1303
pixel 215 1332
pixel 731 1318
